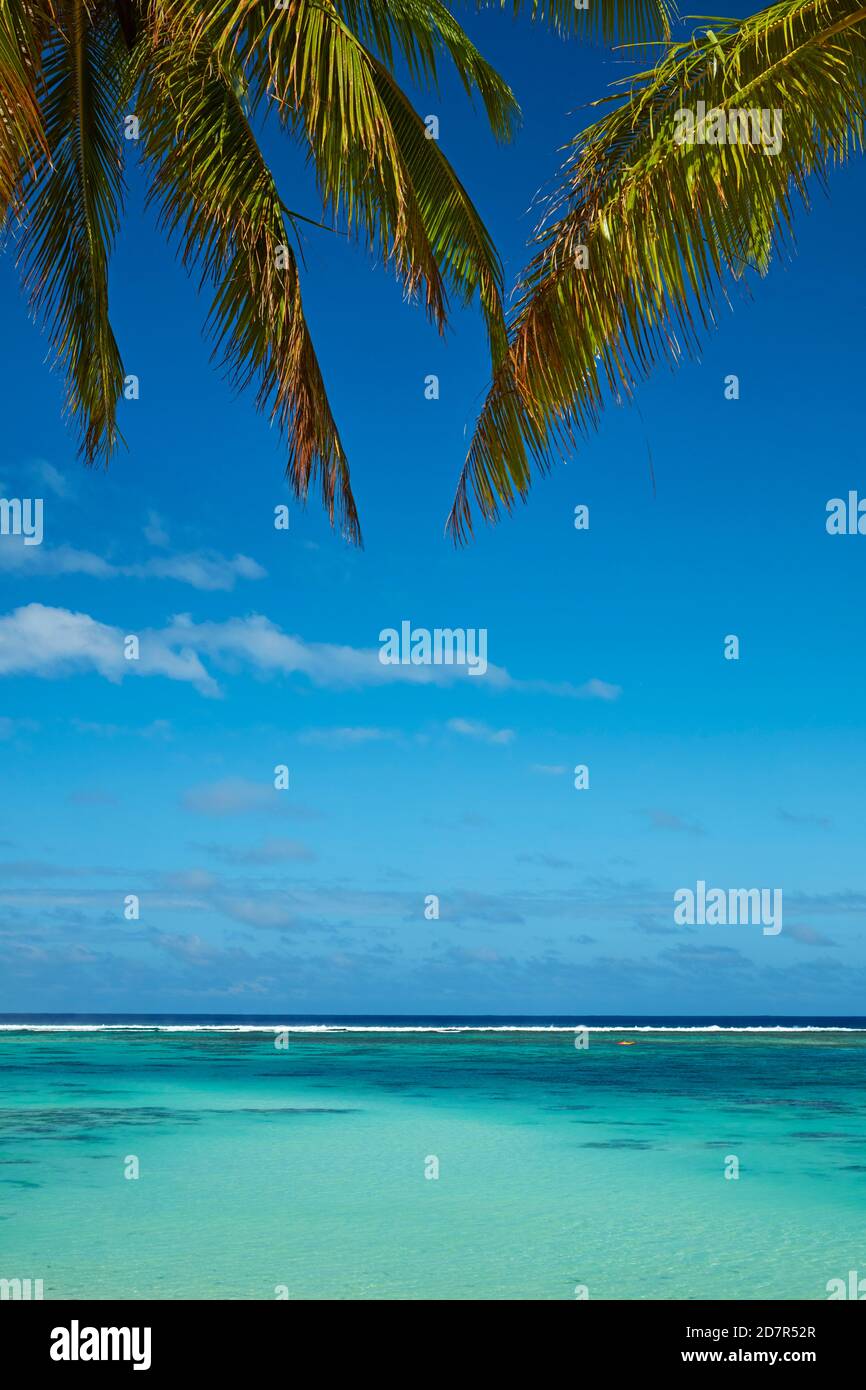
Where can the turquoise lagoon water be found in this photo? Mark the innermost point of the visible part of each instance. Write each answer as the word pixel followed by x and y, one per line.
pixel 302 1169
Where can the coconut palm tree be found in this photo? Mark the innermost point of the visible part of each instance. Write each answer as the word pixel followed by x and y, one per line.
pixel 658 209
pixel 200 76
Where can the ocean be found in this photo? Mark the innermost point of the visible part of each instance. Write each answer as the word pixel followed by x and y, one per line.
pixel 237 1157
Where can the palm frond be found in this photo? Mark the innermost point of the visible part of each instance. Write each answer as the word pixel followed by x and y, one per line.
pixel 73 196
pixel 649 228
pixel 460 242
pixel 218 197
pixel 331 90
pixel 22 31
pixel 605 21
pixel 422 31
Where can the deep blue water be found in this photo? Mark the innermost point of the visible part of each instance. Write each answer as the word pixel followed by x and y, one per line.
pixel 454 1020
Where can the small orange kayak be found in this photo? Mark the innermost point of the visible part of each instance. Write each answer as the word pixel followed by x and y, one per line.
pixel 626 1044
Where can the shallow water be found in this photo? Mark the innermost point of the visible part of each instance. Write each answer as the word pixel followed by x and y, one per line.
pixel 303 1168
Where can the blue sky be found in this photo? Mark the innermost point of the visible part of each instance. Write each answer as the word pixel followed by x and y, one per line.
pixel 607 646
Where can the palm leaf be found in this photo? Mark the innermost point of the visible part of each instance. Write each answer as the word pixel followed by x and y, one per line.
pixel 664 225
pixel 460 243
pixel 73 195
pixel 333 91
pixel 421 32
pixel 218 197
pixel 607 21
pixel 22 31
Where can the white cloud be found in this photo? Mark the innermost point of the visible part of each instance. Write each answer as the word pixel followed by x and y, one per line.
pixel 233 796
pixel 202 569
pixel 660 819
pixel 274 850
pixel 47 561
pixel 472 728
pixel 10 727
pixel 50 642
pixel 264 646
pixel 190 880
pixel 341 737
pixel 154 531
pixel 808 936
pixel 256 912
pixel 52 479
pixel 157 728
pixel 598 690
pixel 267 648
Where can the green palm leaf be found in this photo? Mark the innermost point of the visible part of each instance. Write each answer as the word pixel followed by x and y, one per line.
pixel 460 243
pixel 217 195
pixel 197 72
pixel 605 20
pixel 332 90
pixel 663 224
pixel 422 31
pixel 22 29
pixel 73 195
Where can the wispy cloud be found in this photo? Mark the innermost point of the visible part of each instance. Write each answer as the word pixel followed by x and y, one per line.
pixel 10 727
pixel 645 922
pixel 268 914
pixel 271 851
pixel 201 569
pixel 235 796
pixel 808 936
pixel 346 735
pixel 52 642
pixel 157 728
pixel 545 861
pixel 598 690
pixel 807 818
pixel 262 645
pixel 51 478
pixel 154 531
pixel 92 798
pixel 710 957
pixel 473 728
pixel 659 819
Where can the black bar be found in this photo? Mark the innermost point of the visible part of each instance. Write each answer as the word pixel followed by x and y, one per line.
pixel 242 1337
